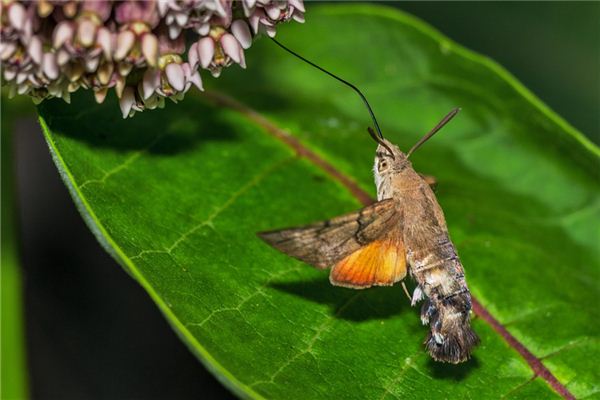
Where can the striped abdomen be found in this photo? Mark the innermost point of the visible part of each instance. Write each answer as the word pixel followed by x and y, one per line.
pixel 441 280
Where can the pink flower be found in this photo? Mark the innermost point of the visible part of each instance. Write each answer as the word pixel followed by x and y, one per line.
pixel 52 48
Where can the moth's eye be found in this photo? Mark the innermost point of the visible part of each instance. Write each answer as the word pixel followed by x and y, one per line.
pixel 383 164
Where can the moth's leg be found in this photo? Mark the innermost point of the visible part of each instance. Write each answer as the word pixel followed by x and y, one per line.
pixel 431 181
pixel 405 290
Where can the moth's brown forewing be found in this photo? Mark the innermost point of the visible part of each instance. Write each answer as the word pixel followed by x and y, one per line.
pixel 325 243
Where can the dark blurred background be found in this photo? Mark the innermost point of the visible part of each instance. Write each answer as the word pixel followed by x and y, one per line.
pixel 553 48
pixel 93 333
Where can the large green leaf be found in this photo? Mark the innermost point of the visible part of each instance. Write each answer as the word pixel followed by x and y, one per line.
pixel 177 195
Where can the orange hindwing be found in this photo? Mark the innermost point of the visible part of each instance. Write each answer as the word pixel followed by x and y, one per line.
pixel 380 263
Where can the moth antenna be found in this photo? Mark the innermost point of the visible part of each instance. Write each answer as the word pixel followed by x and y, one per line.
pixel 380 141
pixel 439 126
pixel 357 90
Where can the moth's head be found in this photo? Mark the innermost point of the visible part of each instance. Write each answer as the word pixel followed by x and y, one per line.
pixel 390 168
pixel 389 158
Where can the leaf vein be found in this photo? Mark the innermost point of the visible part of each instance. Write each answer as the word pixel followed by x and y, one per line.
pixel 408 364
pixel 128 161
pixel 237 307
pixel 209 221
pixel 308 350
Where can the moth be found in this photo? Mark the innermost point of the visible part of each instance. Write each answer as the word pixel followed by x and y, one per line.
pixel 404 232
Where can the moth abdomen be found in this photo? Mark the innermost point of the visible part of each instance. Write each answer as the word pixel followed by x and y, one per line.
pixel 448 304
pixel 451 338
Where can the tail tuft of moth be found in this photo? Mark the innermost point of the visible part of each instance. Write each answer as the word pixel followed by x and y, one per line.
pixel 455 346
pixel 451 338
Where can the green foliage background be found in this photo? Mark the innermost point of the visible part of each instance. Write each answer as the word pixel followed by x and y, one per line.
pixel 13 376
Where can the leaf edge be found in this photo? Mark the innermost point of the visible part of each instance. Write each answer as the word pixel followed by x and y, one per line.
pixel 107 242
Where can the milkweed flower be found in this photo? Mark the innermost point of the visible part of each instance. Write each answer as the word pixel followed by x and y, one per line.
pixel 145 50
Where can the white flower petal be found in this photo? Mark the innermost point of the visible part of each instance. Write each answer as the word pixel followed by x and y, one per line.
pixel 50 66
pixel 8 50
pixel 254 21
pixel 73 86
pixel 21 77
pixel 16 15
pixel 150 82
pixel 44 8
pixel 175 76
pixel 100 95
pixel 231 46
pixel 271 31
pixel 203 29
pixel 206 51
pixel 126 102
pixel 150 49
pixel 219 7
pixel 181 18
pixel 125 41
pixel 86 33
pixel 124 68
pixel 241 31
pixel 35 50
pixel 187 70
pixel 105 73
pixel 62 33
pixel 297 4
pixel 163 6
pixel 10 74
pixel 191 77
pixel 105 39
pixel 249 4
pixel 174 31
pixel 196 80
pixel 91 63
pixel 298 17
pixel 119 85
pixel 62 57
pixel 27 29
pixel 193 58
pixel 273 11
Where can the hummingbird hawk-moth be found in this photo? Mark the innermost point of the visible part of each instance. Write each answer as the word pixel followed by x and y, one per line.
pixel 403 232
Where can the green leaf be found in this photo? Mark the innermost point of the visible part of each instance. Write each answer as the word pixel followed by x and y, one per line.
pixel 176 195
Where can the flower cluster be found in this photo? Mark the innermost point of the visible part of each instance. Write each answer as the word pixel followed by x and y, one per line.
pixel 147 50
